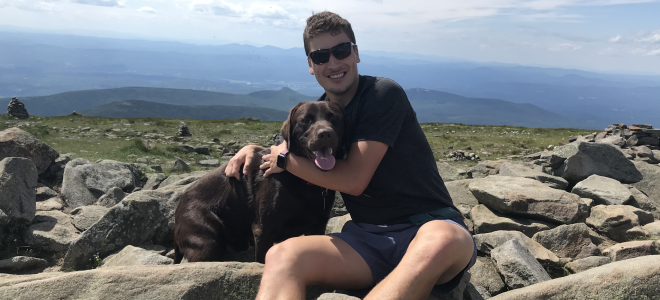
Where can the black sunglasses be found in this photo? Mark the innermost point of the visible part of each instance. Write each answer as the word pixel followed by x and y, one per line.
pixel 340 51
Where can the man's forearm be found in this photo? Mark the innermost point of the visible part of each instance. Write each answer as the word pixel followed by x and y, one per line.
pixel 339 178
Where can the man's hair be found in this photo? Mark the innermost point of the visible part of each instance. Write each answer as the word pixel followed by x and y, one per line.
pixel 326 22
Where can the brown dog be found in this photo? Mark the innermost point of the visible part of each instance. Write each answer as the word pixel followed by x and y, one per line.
pixel 216 211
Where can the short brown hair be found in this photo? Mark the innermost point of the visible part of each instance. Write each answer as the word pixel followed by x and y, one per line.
pixel 326 22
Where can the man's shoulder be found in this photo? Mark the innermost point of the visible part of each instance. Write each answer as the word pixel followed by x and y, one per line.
pixel 381 87
pixel 380 82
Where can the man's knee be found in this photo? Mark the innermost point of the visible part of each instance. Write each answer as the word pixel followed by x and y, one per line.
pixel 282 255
pixel 442 240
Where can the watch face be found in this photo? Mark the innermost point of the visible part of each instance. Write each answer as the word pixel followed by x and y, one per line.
pixel 281 161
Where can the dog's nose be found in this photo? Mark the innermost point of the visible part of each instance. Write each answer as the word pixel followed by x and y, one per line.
pixel 325 134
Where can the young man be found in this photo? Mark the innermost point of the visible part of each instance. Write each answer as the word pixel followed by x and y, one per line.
pixel 388 177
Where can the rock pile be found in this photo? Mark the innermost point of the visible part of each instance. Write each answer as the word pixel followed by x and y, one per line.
pixel 183 129
pixel 462 155
pixel 17 109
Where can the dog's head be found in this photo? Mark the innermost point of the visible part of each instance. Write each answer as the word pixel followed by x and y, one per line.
pixel 315 130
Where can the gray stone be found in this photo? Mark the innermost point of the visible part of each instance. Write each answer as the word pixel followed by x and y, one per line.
pixel 85 216
pixel 460 194
pixel 336 224
pixel 486 221
pixel 650 184
pixel 473 292
pixel 614 221
pixel 652 230
pixel 21 263
pixel 488 241
pixel 111 197
pixel 637 278
pixel 158 249
pixel 587 263
pixel 182 179
pixel 85 182
pixel 18 183
pixel 15 142
pixel 154 180
pixel 183 129
pixel 613 140
pixel 52 231
pixel 486 168
pixel 186 148
pixel 603 190
pixel 450 173
pixel 484 274
pixel 643 202
pixel 50 204
pixel 16 109
pixel 518 170
pixel 134 256
pixel 632 249
pixel 210 163
pixel 517 265
pixel 45 193
pixel 643 151
pixel 528 198
pixel 336 296
pixel 582 160
pixel 568 241
pixel 201 149
pixel 180 165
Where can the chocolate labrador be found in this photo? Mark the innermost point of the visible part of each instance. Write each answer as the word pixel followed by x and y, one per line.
pixel 216 211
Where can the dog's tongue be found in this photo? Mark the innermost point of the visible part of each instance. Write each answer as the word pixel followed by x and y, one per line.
pixel 324 159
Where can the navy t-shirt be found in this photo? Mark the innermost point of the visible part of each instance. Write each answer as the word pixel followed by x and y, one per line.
pixel 406 181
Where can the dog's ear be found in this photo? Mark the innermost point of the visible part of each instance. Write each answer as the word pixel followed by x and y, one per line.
pixel 287 126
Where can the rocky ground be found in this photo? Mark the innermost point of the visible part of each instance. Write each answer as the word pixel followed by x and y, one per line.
pixel 577 221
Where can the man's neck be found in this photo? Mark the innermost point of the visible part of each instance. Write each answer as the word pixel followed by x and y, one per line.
pixel 344 98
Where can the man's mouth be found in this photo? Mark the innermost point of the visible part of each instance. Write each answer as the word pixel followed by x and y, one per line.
pixel 324 158
pixel 335 76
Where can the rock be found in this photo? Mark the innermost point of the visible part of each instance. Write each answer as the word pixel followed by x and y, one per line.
pixel 632 141
pixel 568 241
pixel 15 142
pixel 52 231
pixel 529 198
pixel 16 109
pixel 21 263
pixel 201 149
pixel 582 160
pixel 84 183
pixel 338 207
pixel 486 168
pixel 18 182
pixel 112 197
pixel 652 230
pixel 517 170
pixel 484 274
pixel 50 204
pixel 643 151
pixel 637 278
pixel 214 163
pixel 85 216
pixel 455 294
pixel 158 249
pixel 460 194
pixel 488 241
pixel 45 193
pixel 183 129
pixel 517 265
pixel 200 281
pixel 614 221
pixel 186 148
pixel 182 179
pixel 632 249
pixel 180 165
pixel 613 140
pixel 336 224
pixel 643 202
pixel 587 263
pixel 473 292
pixel 55 172
pixel 157 169
pixel 650 184
pixel 486 221
pixel 134 256
pixel 603 190
pixel 336 296
pixel 154 180
pixel 449 173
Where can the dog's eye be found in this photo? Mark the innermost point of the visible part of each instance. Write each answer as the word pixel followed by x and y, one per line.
pixel 308 118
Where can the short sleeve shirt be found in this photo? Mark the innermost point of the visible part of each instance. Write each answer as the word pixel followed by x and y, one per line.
pixel 406 181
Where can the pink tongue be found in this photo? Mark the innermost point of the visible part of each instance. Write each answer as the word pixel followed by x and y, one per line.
pixel 324 159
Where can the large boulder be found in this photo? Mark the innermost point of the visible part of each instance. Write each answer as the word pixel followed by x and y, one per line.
pixel 518 170
pixel 134 256
pixel 637 278
pixel 644 202
pixel 18 195
pixel 568 241
pixel 15 142
pixel 632 249
pixel 486 242
pixel 460 194
pixel 578 161
pixel 485 275
pixel 615 221
pixel 486 221
pixel 52 231
pixel 603 190
pixel 529 198
pixel 650 184
pixel 517 265
pixel 84 182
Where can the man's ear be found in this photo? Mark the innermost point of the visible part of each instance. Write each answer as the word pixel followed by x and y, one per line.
pixel 311 67
pixel 356 53
pixel 286 126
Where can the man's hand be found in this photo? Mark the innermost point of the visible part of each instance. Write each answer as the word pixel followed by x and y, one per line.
pixel 235 163
pixel 270 160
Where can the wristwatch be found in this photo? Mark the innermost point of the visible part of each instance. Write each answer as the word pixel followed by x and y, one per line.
pixel 281 159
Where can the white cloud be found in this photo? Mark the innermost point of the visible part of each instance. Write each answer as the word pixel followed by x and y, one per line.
pixel 565 47
pixel 655 52
pixel 107 3
pixel 220 8
pixel 615 39
pixel 146 9
pixel 651 37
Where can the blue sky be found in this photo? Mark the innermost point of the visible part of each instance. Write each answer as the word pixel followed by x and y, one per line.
pixel 603 35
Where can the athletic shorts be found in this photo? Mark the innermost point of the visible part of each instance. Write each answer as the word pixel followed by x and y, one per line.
pixel 383 247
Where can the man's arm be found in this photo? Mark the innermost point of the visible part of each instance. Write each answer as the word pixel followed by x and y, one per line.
pixel 350 176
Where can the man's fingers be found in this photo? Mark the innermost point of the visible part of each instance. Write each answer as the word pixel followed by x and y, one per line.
pixel 265 165
pixel 248 159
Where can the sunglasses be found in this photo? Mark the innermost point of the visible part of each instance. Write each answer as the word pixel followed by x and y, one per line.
pixel 340 51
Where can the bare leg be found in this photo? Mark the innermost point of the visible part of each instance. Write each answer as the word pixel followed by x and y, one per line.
pixel 439 251
pixel 311 260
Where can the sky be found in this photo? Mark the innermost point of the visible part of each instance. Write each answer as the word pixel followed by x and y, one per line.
pixel 595 35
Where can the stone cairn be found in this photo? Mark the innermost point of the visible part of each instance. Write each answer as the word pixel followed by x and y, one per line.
pixel 17 109
pixel 183 129
pixel 462 155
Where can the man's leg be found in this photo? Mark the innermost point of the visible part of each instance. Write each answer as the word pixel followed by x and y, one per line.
pixel 312 260
pixel 439 251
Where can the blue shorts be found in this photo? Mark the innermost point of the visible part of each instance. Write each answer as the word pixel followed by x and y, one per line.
pixel 383 247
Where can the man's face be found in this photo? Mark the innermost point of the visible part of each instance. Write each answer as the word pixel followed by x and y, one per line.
pixel 336 76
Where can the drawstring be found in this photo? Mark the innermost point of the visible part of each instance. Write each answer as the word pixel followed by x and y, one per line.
pixel 324 193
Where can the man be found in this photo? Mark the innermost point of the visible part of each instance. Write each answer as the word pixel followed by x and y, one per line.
pixel 388 177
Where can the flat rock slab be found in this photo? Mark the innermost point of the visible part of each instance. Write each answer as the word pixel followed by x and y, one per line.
pixel 450 173
pixel 644 202
pixel 632 249
pixel 460 194
pixel 50 204
pixel 20 263
pixel 603 190
pixel 518 170
pixel 15 142
pixel 587 263
pixel 637 278
pixel 568 241
pixel 614 221
pixel 488 241
pixel 650 184
pixel 18 183
pixel 85 216
pixel 528 198
pixel 485 275
pixel 52 231
pixel 517 265
pixel 581 160
pixel 486 221
pixel 336 296
pixel 134 256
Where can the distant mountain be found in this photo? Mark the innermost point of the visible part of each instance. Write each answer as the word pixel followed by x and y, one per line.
pixel 147 109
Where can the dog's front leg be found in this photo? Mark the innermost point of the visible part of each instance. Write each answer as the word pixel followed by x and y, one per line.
pixel 262 242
